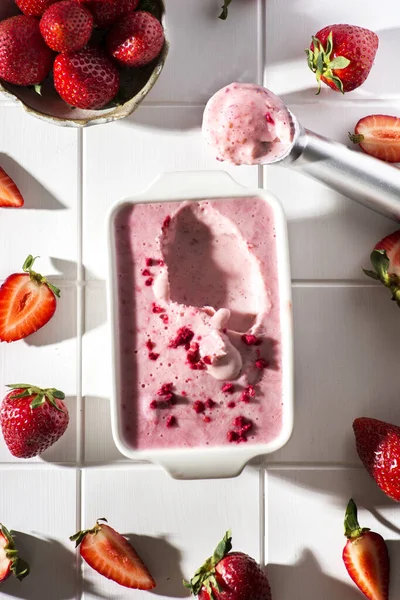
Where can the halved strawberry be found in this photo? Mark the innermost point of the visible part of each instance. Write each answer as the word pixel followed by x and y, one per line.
pixel 10 196
pixel 10 562
pixel 111 555
pixel 379 136
pixel 27 303
pixel 385 259
pixel 366 557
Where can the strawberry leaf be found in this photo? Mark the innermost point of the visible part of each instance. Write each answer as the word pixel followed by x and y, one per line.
pixel 19 567
pixel 38 401
pixel 28 264
pixel 352 528
pixel 40 395
pixel 356 138
pixel 79 535
pixel 320 63
pixel 224 12
pixel 56 291
pixel 205 575
pixel 371 274
pixel 223 548
pixel 381 262
pixel 340 62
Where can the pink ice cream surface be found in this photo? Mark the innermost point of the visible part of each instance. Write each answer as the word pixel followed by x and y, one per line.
pixel 246 124
pixel 219 254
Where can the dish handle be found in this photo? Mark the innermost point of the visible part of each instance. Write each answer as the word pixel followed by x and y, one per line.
pixel 193 184
pixel 202 465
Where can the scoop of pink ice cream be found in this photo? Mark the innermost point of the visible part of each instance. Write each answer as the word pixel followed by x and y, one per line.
pixel 246 124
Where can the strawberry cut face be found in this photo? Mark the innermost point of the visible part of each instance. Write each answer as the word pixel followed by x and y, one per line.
pixel 27 303
pixel 5 563
pixel 111 555
pixel 25 307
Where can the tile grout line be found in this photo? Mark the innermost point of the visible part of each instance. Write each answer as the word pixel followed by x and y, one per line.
pixel 262 517
pixel 354 102
pixel 261 65
pixel 261 50
pixel 80 330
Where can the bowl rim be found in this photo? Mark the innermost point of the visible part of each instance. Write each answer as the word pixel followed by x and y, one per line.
pixel 213 461
pixel 116 113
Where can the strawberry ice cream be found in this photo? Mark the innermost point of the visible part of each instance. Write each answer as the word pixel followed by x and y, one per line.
pixel 199 323
pixel 246 124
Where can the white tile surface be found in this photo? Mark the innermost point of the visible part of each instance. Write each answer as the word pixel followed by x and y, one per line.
pixel 147 140
pixel 173 525
pixel 40 507
pixel 43 162
pixel 224 51
pixel 305 510
pixel 346 355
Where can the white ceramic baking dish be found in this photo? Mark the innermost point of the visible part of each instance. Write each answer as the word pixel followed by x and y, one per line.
pixel 202 462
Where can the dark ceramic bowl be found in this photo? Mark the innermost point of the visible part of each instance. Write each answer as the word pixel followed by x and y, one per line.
pixel 51 108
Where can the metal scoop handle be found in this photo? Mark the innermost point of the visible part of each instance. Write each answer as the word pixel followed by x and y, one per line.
pixel 369 181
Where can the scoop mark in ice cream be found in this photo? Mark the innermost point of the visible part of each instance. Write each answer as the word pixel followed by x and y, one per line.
pixel 204 277
pixel 210 314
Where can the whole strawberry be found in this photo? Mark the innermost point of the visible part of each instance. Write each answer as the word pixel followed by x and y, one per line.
pixel 136 39
pixel 10 561
pixel 378 446
pixel 34 8
pixel 342 56
pixel 86 79
pixel 24 57
pixel 385 259
pixel 66 26
pixel 366 557
pixel 32 419
pixel 107 12
pixel 229 575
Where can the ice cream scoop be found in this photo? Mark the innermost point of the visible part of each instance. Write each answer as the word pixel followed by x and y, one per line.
pixel 246 124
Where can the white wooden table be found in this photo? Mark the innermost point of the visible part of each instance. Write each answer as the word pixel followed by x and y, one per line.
pixel 288 510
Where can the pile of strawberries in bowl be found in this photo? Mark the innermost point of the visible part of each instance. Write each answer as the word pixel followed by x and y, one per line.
pixel 78 62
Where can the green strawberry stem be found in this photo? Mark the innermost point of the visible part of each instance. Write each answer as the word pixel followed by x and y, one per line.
pixel 224 12
pixel 356 138
pixel 79 535
pixel 380 261
pixel 19 567
pixel 352 527
pixel 205 575
pixel 36 277
pixel 40 395
pixel 320 62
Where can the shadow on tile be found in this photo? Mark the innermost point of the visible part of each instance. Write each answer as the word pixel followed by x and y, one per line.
pixel 169 118
pixel 99 443
pixel 163 562
pixel 63 326
pixel 53 571
pixel 338 485
pixel 35 194
pixel 305 579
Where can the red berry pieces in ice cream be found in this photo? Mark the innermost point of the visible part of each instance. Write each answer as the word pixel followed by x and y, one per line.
pixel 228 388
pixel 183 337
